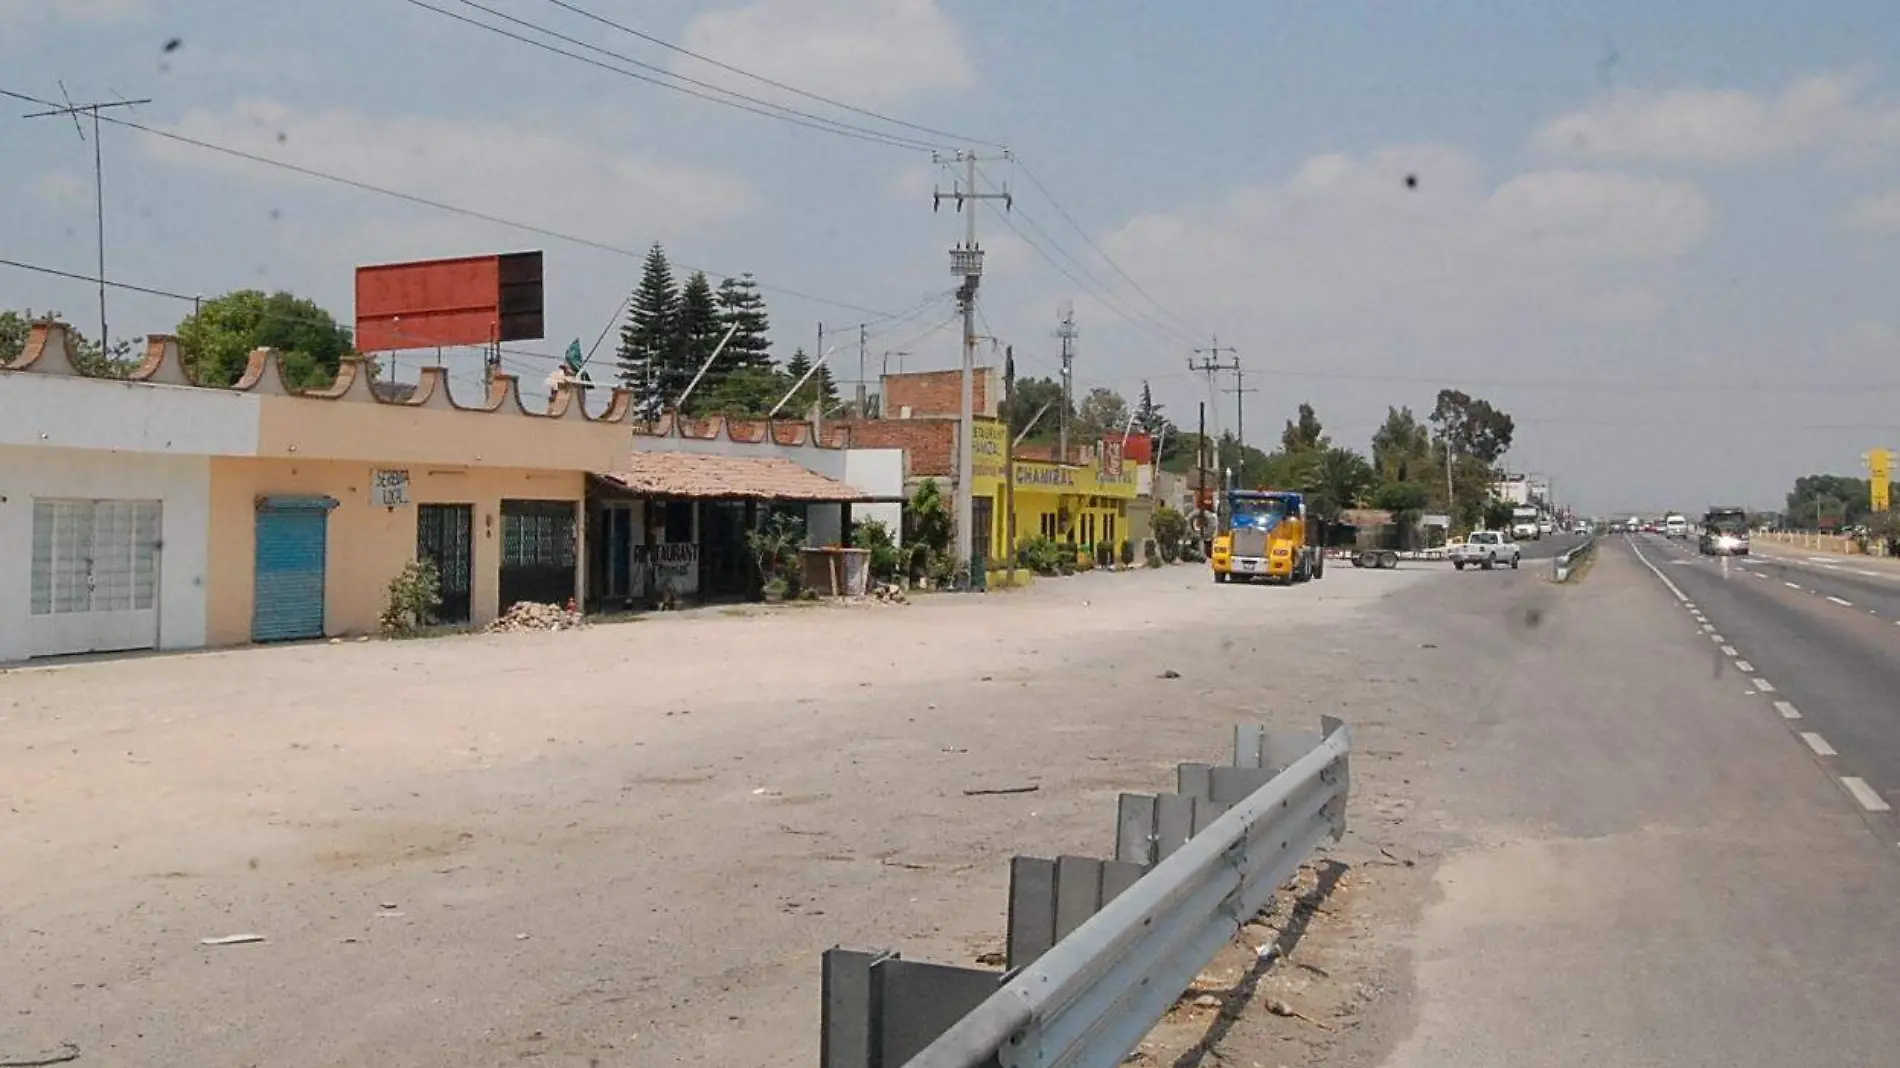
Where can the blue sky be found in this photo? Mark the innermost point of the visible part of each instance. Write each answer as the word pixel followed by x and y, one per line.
pixel 1661 236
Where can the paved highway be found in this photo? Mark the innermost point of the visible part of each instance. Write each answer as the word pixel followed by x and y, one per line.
pixel 1820 641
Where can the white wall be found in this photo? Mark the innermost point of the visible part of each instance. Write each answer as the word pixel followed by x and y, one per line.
pixel 181 483
pixel 55 411
pixel 879 472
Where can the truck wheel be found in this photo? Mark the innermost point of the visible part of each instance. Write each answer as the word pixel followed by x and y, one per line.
pixel 1458 565
pixel 1220 577
pixel 1514 563
pixel 1319 566
pixel 1389 560
pixel 1489 563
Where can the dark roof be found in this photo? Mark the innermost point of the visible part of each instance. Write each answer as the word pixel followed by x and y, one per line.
pixel 704 476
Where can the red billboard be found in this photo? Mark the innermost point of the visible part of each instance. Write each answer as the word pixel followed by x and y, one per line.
pixel 469 300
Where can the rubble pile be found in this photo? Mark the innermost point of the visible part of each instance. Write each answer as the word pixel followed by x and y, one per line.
pixel 889 593
pixel 527 615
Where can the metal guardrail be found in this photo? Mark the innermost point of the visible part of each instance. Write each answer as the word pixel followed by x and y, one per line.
pixel 1191 869
pixel 1568 561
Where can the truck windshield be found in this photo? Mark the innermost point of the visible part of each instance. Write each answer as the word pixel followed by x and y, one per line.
pixel 1257 513
pixel 1726 521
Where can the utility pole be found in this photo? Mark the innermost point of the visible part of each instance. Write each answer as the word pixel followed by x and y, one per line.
pixel 861 390
pixel 1009 466
pixel 1067 333
pixel 1200 463
pixel 967 262
pixel 1211 365
pixel 98 186
pixel 1240 391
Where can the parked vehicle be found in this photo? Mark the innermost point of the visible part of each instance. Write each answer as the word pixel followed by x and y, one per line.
pixel 1486 549
pixel 1266 534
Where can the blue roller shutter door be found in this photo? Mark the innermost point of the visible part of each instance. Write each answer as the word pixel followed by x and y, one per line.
pixel 288 599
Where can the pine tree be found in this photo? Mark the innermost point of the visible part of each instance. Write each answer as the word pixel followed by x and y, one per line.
pixel 820 389
pixel 740 304
pixel 696 333
pixel 1149 417
pixel 647 342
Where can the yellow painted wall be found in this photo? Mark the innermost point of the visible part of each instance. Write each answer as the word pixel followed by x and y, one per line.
pixel 368 544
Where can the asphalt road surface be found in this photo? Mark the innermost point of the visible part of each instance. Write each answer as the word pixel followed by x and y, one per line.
pixel 1580 835
pixel 1825 636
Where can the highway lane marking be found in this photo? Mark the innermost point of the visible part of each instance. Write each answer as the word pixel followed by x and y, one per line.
pixel 1792 585
pixel 1759 574
pixel 1842 603
pixel 1818 744
pixel 1718 639
pixel 1729 650
pixel 1865 794
pixel 1869 574
pixel 1743 665
pixel 1787 710
pixel 1673 588
pixel 1764 686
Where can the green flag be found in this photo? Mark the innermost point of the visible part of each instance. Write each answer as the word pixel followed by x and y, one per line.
pixel 572 363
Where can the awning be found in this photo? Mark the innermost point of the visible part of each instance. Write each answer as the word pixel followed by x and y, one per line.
pixel 706 477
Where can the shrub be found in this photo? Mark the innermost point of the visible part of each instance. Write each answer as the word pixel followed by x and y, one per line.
pixel 1170 528
pixel 1040 554
pixel 412 598
pixel 876 537
pixel 1128 554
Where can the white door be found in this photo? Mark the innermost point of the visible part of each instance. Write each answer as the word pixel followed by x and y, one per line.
pixel 95 576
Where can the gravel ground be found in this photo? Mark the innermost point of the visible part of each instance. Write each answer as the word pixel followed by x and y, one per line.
pixel 629 844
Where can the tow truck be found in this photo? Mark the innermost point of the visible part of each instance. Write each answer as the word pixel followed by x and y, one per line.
pixel 1266 534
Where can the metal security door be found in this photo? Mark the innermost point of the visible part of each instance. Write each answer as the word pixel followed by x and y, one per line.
pixel 94 576
pixel 292 541
pixel 538 552
pixel 445 537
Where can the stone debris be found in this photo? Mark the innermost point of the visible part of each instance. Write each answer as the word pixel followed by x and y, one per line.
pixel 889 593
pixel 527 615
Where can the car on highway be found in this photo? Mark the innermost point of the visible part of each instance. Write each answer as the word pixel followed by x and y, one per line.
pixel 1675 526
pixel 1486 549
pixel 1545 526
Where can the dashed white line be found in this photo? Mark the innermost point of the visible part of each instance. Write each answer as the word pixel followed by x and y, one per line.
pixel 1759 574
pixel 1708 628
pixel 1818 744
pixel 1729 650
pixel 1764 686
pixel 1745 666
pixel 1787 710
pixel 1869 574
pixel 1864 793
pixel 1673 588
pixel 1717 639
pixel 1792 585
pixel 1842 603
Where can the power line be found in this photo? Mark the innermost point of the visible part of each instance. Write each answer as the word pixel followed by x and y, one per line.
pixel 1106 258
pixel 439 205
pixel 868 113
pixel 740 101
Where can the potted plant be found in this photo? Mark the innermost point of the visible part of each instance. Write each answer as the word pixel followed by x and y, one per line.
pixel 775 546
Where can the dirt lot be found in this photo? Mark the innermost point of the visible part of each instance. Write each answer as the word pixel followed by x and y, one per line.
pixel 628 845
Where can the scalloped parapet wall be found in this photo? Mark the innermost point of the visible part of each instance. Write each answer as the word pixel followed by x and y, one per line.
pixel 49 348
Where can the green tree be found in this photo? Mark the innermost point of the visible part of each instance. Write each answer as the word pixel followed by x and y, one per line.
pixel 1150 419
pixel 649 342
pixel 1102 414
pixel 1472 425
pixel 741 305
pixel 86 355
pixel 218 338
pixel 819 389
pixel 1402 448
pixel 930 526
pixel 1338 478
pixel 697 331
pixel 1031 395
pixel 1830 501
pixel 746 392
pixel 1304 435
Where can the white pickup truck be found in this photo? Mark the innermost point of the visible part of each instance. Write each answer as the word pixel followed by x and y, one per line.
pixel 1486 549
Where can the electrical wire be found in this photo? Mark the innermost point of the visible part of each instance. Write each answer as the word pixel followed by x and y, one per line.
pixel 866 112
pixel 439 205
pixel 740 101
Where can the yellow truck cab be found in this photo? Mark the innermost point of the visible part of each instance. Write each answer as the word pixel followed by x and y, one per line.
pixel 1264 534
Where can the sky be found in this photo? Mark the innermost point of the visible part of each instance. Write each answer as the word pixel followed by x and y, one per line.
pixel 1661 236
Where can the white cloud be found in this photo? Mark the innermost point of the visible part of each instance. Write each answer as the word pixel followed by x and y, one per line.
pixel 1877 213
pixel 63 188
pixel 1726 126
pixel 871 53
pixel 1344 260
pixel 19 12
pixel 531 174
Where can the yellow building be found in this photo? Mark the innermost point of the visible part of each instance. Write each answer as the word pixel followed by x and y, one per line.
pixel 1083 504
